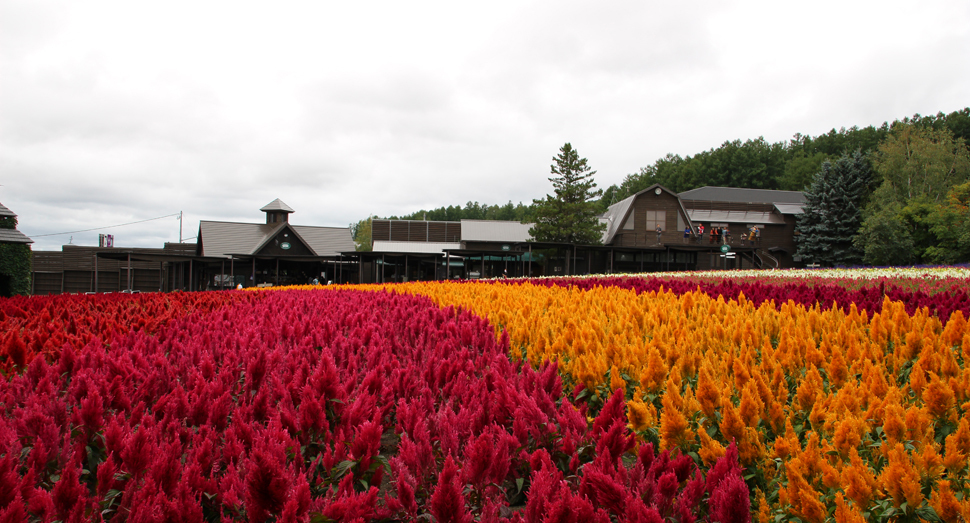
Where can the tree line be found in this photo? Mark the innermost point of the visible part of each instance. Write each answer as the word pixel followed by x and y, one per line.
pixel 758 164
pixel 906 202
pixel 888 195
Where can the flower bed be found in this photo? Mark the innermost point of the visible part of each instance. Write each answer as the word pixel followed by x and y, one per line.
pixel 43 325
pixel 834 412
pixel 338 406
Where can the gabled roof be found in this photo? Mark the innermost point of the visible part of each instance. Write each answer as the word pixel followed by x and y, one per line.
pixel 616 214
pixel 326 241
pixel 221 239
pixel 494 231
pixel 276 232
pixel 13 236
pixel 738 195
pixel 277 205
pixel 614 217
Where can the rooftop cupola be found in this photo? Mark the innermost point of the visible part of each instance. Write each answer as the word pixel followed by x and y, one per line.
pixel 277 211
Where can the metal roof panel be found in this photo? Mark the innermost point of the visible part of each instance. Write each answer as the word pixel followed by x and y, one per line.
pixel 740 195
pixel 790 208
pixel 707 215
pixel 415 247
pixel 326 241
pixel 494 231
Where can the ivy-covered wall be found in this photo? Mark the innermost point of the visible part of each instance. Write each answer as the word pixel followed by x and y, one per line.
pixel 15 261
pixel 14 269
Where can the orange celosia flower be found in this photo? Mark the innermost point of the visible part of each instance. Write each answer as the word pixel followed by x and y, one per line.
pixel 708 393
pixel 894 424
pixel 764 511
pixel 711 450
pixel 616 381
pixel 962 435
pixel 900 478
pixel 837 370
pixel 654 374
pixel 848 434
pixel 845 513
pixel 731 425
pixel 918 424
pixel 751 405
pixel 640 415
pixel 954 460
pixel 810 386
pixel 858 480
pixel 674 429
pixel 945 503
pixel 938 397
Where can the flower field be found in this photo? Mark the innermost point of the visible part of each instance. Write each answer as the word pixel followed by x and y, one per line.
pixel 684 398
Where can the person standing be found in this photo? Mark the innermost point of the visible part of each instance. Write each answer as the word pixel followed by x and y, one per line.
pixel 659 232
pixel 700 231
pixel 687 232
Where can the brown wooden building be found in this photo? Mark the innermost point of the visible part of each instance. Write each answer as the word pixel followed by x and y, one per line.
pixel 225 254
pixel 408 250
pixel 79 269
pixel 633 222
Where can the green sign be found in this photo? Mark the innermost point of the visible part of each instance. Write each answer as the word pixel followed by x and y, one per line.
pixel 505 247
pixel 285 246
pixel 725 248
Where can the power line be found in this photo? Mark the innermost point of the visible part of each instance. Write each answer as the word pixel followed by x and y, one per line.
pixel 102 228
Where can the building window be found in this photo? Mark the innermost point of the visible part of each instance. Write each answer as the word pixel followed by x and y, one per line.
pixel 655 219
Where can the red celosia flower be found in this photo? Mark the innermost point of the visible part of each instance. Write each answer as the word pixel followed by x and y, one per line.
pixel 447 502
pixel 729 503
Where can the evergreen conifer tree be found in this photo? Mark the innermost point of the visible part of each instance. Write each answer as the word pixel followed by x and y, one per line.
pixel 833 212
pixel 571 215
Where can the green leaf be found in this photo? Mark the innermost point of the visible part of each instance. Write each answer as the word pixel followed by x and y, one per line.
pixel 341 468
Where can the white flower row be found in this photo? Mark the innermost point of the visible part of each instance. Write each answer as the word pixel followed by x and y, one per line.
pixel 913 273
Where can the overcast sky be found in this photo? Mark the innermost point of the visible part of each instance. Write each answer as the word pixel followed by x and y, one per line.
pixel 114 112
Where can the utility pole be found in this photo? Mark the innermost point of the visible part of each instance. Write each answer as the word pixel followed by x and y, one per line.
pixel 180 226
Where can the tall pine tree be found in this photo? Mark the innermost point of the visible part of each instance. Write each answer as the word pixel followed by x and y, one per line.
pixel 570 216
pixel 833 212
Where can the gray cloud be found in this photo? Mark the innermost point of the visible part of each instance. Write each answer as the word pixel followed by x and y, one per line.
pixel 112 111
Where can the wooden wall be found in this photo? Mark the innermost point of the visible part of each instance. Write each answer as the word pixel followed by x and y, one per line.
pixel 415 231
pixel 640 236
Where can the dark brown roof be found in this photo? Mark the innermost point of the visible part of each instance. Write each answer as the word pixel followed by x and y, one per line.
pixel 6 212
pixel 13 236
pixel 277 205
pixel 221 239
pixel 735 194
